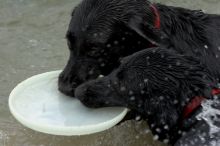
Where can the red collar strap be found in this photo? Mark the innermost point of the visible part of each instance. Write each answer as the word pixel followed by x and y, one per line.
pixel 195 103
pixel 157 15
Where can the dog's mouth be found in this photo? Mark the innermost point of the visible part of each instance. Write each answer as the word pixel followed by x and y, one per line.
pixel 98 93
pixel 65 86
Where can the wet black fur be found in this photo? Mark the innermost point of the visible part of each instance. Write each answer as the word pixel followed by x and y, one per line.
pixel 102 32
pixel 157 83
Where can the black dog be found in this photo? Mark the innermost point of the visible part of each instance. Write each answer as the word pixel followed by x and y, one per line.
pixel 102 32
pixel 158 83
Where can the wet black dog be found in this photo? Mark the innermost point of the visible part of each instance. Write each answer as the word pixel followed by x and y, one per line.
pixel 158 83
pixel 98 36
pixel 102 32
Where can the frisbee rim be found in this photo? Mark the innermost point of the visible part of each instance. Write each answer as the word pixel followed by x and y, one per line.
pixel 58 130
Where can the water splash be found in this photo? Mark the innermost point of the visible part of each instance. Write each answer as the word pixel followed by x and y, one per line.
pixel 211 113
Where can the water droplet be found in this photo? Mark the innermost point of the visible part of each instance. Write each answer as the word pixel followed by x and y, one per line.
pixel 158 130
pixel 108 45
pixel 196 89
pixel 156 137
pixel 123 88
pixel 166 127
pixel 147 131
pixel 102 64
pixel 132 98
pixel 100 76
pixel 145 80
pixel 161 97
pixel 187 99
pixel 91 72
pixel 178 63
pixel 166 141
pixel 131 92
pixel 137 118
pixel 116 42
pixel 183 133
pixel 152 125
pixel 83 29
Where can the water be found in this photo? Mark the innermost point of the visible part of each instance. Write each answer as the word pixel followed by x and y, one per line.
pixel 210 114
pixel 32 41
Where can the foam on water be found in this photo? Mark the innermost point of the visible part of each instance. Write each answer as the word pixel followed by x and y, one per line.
pixel 211 113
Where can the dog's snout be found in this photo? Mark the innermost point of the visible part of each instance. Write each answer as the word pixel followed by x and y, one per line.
pixel 80 92
pixel 65 85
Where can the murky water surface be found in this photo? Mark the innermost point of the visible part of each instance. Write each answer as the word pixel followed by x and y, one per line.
pixel 31 42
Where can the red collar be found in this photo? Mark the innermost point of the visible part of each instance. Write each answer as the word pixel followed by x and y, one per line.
pixel 157 15
pixel 195 103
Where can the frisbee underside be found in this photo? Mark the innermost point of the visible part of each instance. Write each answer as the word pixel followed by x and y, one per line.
pixel 38 104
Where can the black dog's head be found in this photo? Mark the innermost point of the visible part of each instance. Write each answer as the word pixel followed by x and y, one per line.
pixel 148 74
pixel 156 82
pixel 100 33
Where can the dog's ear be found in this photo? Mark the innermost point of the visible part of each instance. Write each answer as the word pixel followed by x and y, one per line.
pixel 148 31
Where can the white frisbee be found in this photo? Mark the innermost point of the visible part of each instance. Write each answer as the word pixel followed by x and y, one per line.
pixel 37 104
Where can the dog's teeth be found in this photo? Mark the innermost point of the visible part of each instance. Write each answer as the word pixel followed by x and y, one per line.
pixel 101 76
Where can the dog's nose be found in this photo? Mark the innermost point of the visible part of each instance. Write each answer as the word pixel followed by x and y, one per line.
pixel 80 92
pixel 65 86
